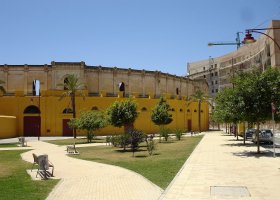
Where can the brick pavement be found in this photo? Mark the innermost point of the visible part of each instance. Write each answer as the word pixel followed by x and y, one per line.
pixel 220 160
pixel 88 180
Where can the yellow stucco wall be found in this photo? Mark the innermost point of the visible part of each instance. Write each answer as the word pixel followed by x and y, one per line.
pixel 52 112
pixel 8 126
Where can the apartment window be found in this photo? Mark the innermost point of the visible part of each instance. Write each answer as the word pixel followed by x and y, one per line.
pixel 212 90
pixel 216 82
pixel 212 83
pixel 204 76
pixel 215 65
pixel 212 74
pixel 204 68
pixel 216 73
pixel 217 90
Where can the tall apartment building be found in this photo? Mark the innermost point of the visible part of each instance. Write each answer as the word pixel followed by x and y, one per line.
pixel 219 71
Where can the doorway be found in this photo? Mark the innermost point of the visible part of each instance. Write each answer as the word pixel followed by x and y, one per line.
pixel 32 126
pixel 66 130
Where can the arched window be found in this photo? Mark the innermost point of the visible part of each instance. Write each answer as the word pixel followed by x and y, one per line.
pixel 181 110
pixel 67 110
pixel 188 110
pixel 121 87
pixel 65 82
pixel 36 88
pixel 31 110
pixel 177 91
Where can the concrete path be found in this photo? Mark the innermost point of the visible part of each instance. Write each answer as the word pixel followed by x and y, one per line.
pixel 220 160
pixel 88 180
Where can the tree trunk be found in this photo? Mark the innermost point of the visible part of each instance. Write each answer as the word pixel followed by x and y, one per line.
pixel 244 137
pixel 226 128
pixel 199 116
pixel 235 131
pixel 258 137
pixel 74 112
pixel 128 127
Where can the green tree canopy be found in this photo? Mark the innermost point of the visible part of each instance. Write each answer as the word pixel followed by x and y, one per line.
pixel 91 121
pixel 122 113
pixel 250 99
pixel 160 114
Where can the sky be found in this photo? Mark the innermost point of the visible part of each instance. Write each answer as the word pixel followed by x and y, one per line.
pixel 162 35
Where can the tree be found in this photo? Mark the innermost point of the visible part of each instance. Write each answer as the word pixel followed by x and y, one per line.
pixel 123 113
pixel 72 86
pixel 228 107
pixel 91 121
pixel 160 114
pixel 199 97
pixel 257 91
pixel 250 99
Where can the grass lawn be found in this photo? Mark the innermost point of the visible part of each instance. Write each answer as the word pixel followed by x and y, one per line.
pixel 8 145
pixel 159 168
pixel 15 183
pixel 77 141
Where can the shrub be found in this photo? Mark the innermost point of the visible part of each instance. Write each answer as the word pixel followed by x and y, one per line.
pixel 124 140
pixel 136 137
pixel 164 132
pixel 178 133
pixel 115 140
pixel 108 140
pixel 151 146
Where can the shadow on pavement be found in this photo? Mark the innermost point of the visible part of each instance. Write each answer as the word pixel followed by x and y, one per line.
pixel 239 144
pixel 247 154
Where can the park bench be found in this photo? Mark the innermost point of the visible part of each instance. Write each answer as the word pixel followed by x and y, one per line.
pixel 22 142
pixel 71 149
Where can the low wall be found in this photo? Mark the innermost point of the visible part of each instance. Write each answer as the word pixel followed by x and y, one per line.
pixel 8 126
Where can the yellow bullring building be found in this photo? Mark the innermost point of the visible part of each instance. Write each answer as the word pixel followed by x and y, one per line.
pixel 24 111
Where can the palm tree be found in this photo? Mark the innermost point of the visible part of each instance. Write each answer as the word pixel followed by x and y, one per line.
pixel 199 96
pixel 72 86
pixel 2 89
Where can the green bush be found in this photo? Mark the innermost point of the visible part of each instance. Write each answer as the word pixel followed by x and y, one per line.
pixel 115 140
pixel 136 137
pixel 151 146
pixel 178 133
pixel 108 140
pixel 124 140
pixel 164 132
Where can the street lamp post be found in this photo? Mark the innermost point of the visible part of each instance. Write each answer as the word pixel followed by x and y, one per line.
pixel 250 39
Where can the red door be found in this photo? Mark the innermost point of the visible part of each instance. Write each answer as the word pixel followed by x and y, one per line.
pixel 32 126
pixel 189 124
pixel 66 130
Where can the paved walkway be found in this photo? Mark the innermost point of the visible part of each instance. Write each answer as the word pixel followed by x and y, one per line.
pixel 220 160
pixel 88 180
